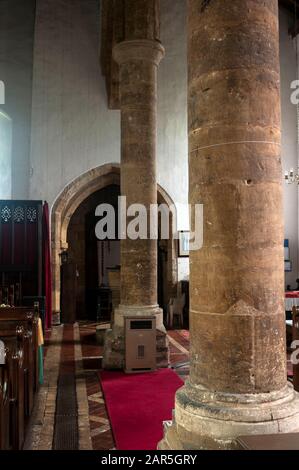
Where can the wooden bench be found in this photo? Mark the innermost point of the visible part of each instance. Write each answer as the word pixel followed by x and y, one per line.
pixel 29 319
pixel 16 424
pixel 20 382
pixel 29 356
pixel 10 332
pixel 4 402
pixel 19 374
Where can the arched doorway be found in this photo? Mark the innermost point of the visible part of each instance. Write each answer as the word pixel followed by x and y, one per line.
pixel 65 207
pixel 86 268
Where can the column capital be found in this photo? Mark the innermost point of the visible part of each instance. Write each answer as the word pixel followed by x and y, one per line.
pixel 139 49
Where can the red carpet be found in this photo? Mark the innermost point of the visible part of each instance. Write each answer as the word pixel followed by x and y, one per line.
pixel 137 406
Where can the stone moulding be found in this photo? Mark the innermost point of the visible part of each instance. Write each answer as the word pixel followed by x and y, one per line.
pixel 205 419
pixel 65 205
pixel 145 50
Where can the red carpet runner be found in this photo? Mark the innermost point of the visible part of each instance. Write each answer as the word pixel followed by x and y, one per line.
pixel 137 406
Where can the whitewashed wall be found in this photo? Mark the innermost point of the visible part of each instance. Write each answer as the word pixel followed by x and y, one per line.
pixel 289 148
pixel 73 131
pixel 16 57
pixel 172 114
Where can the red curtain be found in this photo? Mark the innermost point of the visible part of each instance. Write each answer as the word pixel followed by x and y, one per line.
pixel 47 265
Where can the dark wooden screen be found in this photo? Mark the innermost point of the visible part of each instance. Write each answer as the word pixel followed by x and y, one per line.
pixel 21 248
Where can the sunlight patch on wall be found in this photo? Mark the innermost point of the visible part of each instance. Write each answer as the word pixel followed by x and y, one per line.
pixel 5 156
pixel 2 92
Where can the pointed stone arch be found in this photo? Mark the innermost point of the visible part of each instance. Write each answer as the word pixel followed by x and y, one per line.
pixel 66 204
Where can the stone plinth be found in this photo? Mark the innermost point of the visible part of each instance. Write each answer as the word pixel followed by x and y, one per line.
pixel 114 352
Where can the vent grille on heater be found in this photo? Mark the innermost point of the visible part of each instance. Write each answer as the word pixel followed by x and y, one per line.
pixel 141 351
pixel 141 325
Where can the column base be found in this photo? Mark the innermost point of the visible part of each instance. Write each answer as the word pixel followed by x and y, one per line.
pixel 114 348
pixel 212 421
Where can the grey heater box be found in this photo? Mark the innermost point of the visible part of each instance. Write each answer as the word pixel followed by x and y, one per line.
pixel 140 344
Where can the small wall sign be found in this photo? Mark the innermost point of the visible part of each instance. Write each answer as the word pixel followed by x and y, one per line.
pixel 184 240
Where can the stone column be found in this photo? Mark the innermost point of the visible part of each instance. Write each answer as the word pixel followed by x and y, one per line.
pixel 238 379
pixel 138 58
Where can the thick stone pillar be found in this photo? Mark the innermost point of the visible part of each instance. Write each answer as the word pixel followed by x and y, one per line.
pixel 138 61
pixel 238 379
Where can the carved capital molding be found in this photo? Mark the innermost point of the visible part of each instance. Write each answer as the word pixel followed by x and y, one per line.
pixel 139 49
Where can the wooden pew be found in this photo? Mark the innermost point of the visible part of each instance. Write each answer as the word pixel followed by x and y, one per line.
pixel 8 329
pixel 16 431
pixel 19 375
pixel 19 387
pixel 4 403
pixel 29 319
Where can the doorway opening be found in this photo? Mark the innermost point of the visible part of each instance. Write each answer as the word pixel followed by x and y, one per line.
pixel 85 270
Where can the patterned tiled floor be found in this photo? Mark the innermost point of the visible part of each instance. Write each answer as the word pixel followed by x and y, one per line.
pixel 101 433
pixel 179 351
pixel 100 430
pixel 73 348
